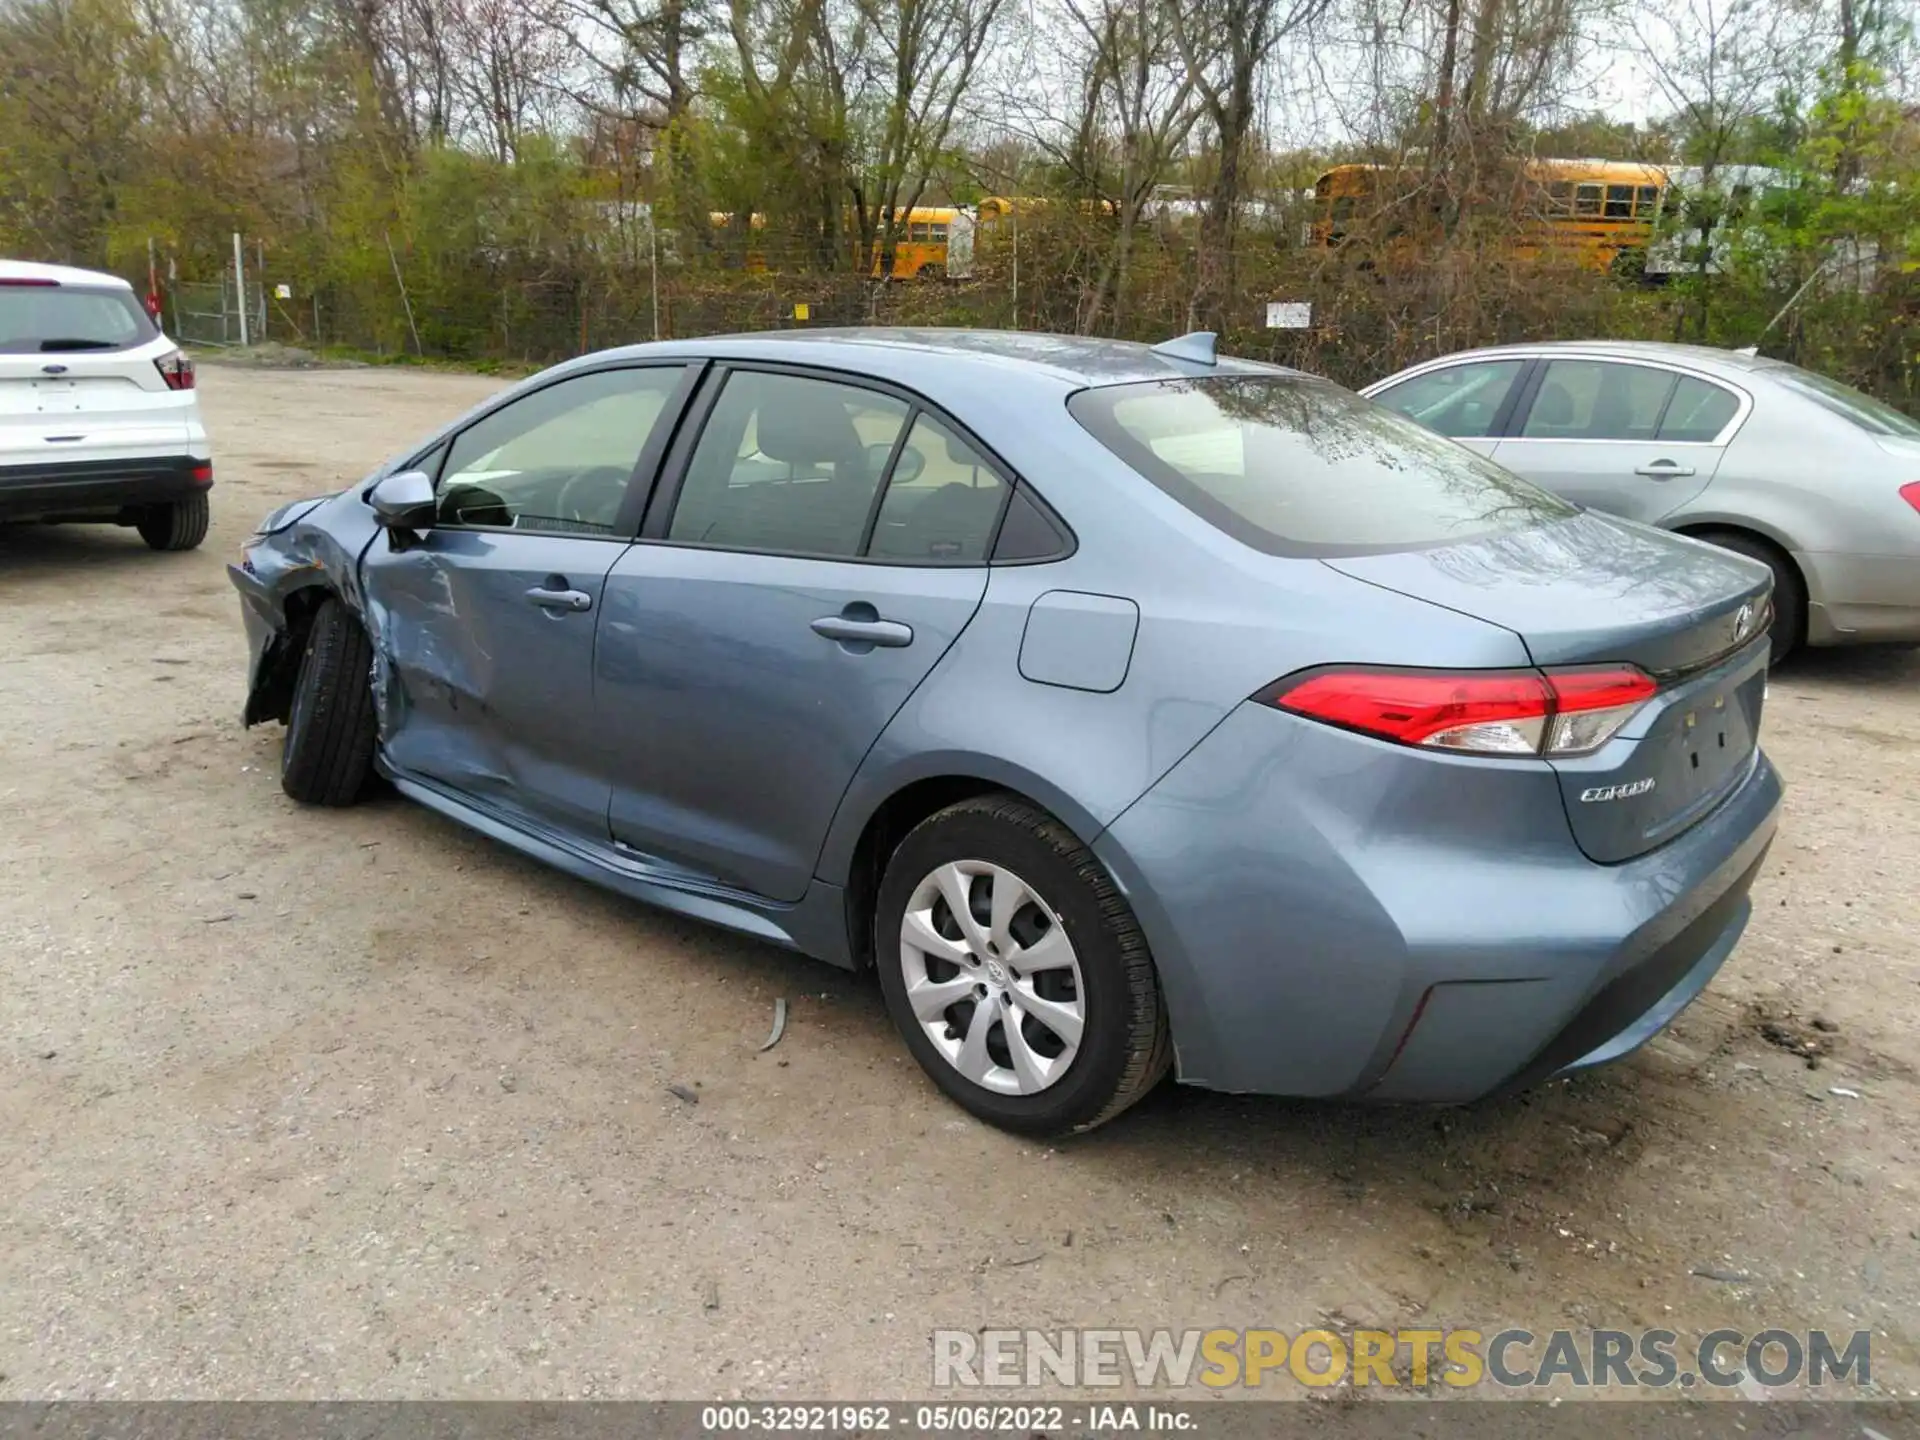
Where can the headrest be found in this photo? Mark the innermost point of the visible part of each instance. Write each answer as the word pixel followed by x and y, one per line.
pixel 800 429
pixel 958 451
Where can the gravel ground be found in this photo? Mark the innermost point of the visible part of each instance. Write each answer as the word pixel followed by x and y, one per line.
pixel 356 1104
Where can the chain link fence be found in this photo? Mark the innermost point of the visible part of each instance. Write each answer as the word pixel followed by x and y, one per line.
pixel 217 312
pixel 1353 323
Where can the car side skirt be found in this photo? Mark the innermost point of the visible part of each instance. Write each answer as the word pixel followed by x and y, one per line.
pixel 815 925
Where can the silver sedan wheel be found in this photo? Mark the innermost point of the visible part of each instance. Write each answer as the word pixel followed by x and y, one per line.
pixel 992 978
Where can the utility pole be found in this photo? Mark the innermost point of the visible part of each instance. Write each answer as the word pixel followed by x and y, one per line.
pixel 240 285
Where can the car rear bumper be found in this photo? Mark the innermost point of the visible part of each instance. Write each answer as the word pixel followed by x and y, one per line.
pixel 1334 915
pixel 1858 599
pixel 98 488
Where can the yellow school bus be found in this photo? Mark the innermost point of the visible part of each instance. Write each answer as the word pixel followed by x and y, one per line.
pixel 1592 211
pixel 995 208
pixel 934 241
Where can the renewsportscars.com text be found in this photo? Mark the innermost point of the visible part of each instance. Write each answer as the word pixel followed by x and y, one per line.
pixel 1416 1358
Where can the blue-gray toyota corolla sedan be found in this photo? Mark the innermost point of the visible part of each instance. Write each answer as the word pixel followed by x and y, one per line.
pixel 1126 709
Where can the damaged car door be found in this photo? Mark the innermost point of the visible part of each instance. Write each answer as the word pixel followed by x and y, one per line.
pixel 826 544
pixel 483 622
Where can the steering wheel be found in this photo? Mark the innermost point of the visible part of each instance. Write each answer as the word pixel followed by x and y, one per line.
pixel 607 479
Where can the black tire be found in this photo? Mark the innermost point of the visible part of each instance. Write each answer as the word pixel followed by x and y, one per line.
pixel 328 753
pixel 1789 590
pixel 1125 1046
pixel 178 525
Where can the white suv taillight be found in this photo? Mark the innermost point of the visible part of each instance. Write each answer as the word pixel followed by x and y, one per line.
pixel 1482 712
pixel 176 369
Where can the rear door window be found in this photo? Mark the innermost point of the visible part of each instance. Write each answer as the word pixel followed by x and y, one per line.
pixel 1291 465
pixel 51 319
pixel 788 464
pixel 1698 411
pixel 1598 400
pixel 943 500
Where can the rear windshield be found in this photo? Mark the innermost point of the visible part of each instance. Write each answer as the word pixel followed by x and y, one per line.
pixel 1297 466
pixel 46 319
pixel 1876 417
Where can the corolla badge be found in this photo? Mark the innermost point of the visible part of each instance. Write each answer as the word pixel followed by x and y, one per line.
pixel 1617 792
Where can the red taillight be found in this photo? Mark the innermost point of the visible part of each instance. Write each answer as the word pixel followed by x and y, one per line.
pixel 1482 712
pixel 1423 707
pixel 1590 706
pixel 203 473
pixel 1911 494
pixel 176 369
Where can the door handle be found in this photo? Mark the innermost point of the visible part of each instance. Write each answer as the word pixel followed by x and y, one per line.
pixel 560 599
pixel 851 631
pixel 1663 470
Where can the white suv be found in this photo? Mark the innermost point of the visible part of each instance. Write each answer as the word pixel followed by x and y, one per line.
pixel 98 417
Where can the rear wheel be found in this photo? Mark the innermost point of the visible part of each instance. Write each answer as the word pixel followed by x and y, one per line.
pixel 328 753
pixel 1016 971
pixel 177 525
pixel 1789 591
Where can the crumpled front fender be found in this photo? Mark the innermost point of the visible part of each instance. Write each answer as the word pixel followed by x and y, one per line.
pixel 301 554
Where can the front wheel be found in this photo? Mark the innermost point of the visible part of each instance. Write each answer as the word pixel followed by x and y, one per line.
pixel 328 753
pixel 1016 971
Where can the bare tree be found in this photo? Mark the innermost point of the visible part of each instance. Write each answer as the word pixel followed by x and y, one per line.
pixel 925 54
pixel 1226 45
pixel 504 55
pixel 643 56
pixel 1142 95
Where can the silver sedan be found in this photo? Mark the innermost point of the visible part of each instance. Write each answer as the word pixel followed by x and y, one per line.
pixel 1817 480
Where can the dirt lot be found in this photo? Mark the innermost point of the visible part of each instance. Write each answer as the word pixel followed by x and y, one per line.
pixel 358 1104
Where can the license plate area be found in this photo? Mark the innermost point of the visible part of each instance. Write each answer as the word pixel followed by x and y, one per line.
pixel 1716 733
pixel 1643 789
pixel 57 397
pixel 39 397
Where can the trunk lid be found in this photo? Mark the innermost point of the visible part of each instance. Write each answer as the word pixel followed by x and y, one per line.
pixel 87 401
pixel 77 374
pixel 1595 590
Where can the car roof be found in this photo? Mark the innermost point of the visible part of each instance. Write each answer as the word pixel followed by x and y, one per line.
pixel 1704 357
pixel 909 355
pixel 59 274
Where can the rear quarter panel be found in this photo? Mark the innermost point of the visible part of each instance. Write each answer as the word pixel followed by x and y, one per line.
pixel 1799 477
pixel 1218 621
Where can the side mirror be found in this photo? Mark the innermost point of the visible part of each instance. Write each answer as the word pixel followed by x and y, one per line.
pixel 404 500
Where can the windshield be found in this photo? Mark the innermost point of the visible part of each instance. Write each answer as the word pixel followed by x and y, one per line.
pixel 47 319
pixel 1874 416
pixel 1292 465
